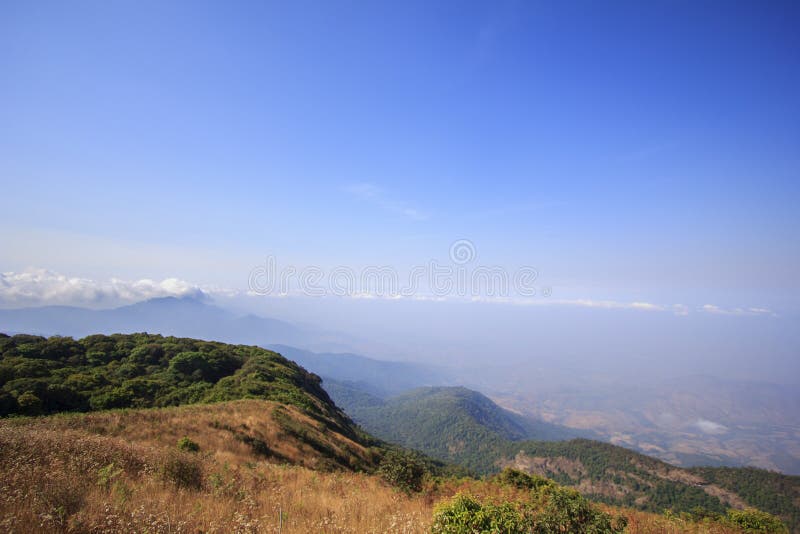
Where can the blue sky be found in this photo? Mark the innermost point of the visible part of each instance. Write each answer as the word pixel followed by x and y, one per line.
pixel 631 151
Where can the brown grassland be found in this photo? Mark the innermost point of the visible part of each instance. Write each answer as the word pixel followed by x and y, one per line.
pixel 122 471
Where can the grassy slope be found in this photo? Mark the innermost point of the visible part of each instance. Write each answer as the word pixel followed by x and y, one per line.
pixel 236 431
pixel 55 476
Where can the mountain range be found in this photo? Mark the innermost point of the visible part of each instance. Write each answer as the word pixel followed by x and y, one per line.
pixel 378 377
pixel 696 421
pixel 686 421
pixel 189 316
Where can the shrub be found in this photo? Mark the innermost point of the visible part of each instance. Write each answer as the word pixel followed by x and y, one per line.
pixel 520 480
pixel 559 510
pixel 403 470
pixel 183 471
pixel 752 520
pixel 463 514
pixel 29 403
pixel 186 444
pixel 566 510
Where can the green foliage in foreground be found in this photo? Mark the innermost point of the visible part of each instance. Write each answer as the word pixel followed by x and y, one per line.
pixel 59 374
pixel 550 508
pixel 756 521
pixel 463 514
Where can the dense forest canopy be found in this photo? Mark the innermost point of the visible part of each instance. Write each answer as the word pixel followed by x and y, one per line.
pixel 47 375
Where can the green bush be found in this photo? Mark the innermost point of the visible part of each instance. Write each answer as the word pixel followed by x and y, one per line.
pixel 403 470
pixel 752 520
pixel 551 509
pixel 186 444
pixel 465 515
pixel 29 404
pixel 566 510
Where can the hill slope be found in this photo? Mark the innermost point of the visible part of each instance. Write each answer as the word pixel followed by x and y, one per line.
pixel 772 492
pixel 452 423
pixel 47 375
pixel 122 471
pixel 463 426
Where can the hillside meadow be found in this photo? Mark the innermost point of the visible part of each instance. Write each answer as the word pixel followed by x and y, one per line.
pixel 180 469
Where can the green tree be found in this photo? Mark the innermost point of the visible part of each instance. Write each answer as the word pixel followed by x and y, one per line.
pixel 29 404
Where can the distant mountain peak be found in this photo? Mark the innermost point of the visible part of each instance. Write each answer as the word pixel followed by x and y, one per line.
pixel 191 298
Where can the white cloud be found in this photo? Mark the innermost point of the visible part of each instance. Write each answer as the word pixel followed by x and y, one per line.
pixel 36 287
pixel 592 303
pixel 677 309
pixel 39 287
pixel 716 310
pixel 372 193
pixel 709 427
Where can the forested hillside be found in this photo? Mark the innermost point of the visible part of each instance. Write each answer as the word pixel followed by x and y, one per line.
pixel 58 374
pixel 452 423
pixel 463 426
pixel 772 492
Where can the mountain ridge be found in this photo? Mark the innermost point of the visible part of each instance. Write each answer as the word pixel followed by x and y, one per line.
pixel 382 377
pixel 188 316
pixel 455 425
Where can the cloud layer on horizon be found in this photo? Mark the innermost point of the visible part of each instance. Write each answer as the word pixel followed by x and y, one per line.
pixel 37 287
pixel 42 287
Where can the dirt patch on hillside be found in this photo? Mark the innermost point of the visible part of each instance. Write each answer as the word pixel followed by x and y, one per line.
pixel 546 466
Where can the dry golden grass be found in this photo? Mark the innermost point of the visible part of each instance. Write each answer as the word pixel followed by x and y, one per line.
pixel 122 472
pixel 221 428
pixel 55 476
